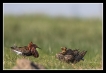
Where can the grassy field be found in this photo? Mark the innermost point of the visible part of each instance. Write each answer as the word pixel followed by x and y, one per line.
pixel 51 34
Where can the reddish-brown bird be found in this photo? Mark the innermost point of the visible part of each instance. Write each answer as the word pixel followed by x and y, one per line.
pixel 32 47
pixel 29 50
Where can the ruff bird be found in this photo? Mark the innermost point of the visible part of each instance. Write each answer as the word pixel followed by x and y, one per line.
pixel 69 55
pixel 29 50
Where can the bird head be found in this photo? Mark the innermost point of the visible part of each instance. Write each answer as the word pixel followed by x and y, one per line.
pixel 30 45
pixel 13 47
pixel 64 49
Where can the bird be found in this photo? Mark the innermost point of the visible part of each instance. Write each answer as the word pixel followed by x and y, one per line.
pixel 69 55
pixel 26 50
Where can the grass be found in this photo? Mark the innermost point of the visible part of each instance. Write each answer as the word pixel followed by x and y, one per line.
pixel 51 34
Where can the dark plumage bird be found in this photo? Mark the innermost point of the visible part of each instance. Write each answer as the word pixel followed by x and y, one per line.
pixel 27 50
pixel 69 55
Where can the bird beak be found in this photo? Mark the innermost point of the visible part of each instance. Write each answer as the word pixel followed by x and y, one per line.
pixel 12 47
pixel 39 47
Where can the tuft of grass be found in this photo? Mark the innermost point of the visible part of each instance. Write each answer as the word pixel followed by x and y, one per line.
pixel 50 34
